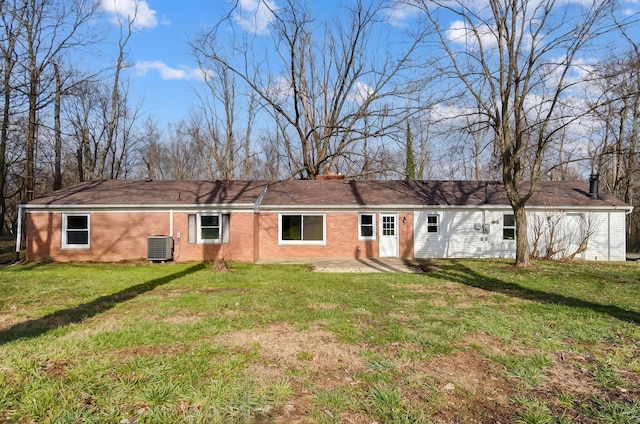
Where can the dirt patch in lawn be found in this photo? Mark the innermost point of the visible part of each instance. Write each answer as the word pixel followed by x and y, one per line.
pixel 471 388
pixel 468 386
pixel 281 348
pixel 305 359
pixel 150 350
pixel 465 386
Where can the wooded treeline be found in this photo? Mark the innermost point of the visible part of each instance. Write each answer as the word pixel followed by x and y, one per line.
pixel 507 90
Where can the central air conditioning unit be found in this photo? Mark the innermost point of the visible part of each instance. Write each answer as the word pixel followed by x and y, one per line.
pixel 159 248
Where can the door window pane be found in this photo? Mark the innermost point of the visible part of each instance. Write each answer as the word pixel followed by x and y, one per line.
pixel 388 225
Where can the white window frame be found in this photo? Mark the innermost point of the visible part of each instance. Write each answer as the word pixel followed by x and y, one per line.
pixel 322 242
pixel 506 227
pixel 372 225
pixel 437 224
pixel 199 238
pixel 73 246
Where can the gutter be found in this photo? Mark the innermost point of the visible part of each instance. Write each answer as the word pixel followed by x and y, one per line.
pixel 156 207
pixel 396 207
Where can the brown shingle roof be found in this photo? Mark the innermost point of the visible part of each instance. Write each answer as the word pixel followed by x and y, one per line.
pixel 129 192
pixel 329 193
pixel 436 193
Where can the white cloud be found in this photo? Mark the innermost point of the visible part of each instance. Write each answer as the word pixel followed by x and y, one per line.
pixel 281 89
pixel 255 16
pixel 137 11
pixel 361 92
pixel 460 33
pixel 400 13
pixel 168 73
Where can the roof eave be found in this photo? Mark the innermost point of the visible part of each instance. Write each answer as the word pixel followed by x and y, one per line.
pixel 167 206
pixel 272 208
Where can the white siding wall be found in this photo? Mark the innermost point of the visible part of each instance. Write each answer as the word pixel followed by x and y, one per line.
pixel 458 237
pixel 458 234
pixel 609 241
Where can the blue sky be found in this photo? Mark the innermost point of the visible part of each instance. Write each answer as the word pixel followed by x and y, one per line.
pixel 164 75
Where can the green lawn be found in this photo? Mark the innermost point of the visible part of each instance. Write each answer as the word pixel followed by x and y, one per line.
pixel 466 341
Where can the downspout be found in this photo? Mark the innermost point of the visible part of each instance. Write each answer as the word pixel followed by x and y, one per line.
pixel 175 258
pixel 18 235
pixel 171 222
pixel 256 224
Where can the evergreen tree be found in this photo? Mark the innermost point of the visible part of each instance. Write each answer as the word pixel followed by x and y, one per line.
pixel 410 165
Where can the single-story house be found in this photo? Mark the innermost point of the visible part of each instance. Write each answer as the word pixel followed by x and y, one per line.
pixel 116 220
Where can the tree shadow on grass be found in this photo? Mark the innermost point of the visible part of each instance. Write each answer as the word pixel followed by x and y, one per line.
pixel 39 326
pixel 457 272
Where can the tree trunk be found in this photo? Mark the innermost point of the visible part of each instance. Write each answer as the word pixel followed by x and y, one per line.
pixel 522 241
pixel 4 135
pixel 30 145
pixel 57 173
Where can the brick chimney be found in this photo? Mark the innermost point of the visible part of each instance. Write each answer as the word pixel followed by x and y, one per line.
pixel 330 176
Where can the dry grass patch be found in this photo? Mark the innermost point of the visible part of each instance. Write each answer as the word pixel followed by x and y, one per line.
pixel 471 386
pixel 149 350
pixel 184 318
pixel 281 349
pixel 460 296
pixel 104 324
pixel 301 360
pixel 403 316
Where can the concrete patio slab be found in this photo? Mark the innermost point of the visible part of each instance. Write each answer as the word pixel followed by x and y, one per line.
pixel 347 264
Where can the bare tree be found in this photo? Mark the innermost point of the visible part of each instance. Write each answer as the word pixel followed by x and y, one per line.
pixel 151 150
pixel 514 59
pixel 329 86
pixel 12 21
pixel 177 158
pixel 105 141
pixel 50 29
pixel 226 123
pixel 118 100
pixel 616 145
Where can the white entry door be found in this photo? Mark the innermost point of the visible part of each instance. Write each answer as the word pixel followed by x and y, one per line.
pixel 388 235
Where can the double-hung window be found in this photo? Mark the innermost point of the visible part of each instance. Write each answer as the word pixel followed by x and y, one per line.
pixel 209 228
pixel 432 224
pixel 508 227
pixel 75 231
pixel 302 229
pixel 366 226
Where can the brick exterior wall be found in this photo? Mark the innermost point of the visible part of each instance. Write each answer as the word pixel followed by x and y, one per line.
pixel 121 236
pixel 341 238
pixel 406 236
